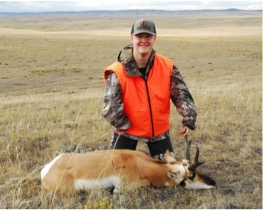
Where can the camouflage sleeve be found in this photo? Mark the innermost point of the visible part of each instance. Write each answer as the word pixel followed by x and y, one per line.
pixel 113 108
pixel 182 99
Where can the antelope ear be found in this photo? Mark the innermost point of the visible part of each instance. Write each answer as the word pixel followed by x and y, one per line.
pixel 169 157
pixel 172 175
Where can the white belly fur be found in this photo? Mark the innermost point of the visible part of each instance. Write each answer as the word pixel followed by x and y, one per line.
pixel 83 184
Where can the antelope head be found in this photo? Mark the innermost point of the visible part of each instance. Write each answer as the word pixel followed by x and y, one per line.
pixel 184 172
pixel 194 179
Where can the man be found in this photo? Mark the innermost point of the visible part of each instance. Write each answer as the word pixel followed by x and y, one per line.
pixel 139 86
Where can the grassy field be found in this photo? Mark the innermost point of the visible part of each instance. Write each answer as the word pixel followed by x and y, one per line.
pixel 51 95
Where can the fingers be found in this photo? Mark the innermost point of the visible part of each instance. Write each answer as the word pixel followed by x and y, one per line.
pixel 184 131
pixel 118 131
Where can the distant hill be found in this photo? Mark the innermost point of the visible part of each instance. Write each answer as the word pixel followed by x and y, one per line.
pixel 231 10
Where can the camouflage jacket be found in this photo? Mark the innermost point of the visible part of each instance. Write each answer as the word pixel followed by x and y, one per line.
pixel 113 109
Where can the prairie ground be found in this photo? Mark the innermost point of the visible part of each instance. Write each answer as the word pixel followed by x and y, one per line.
pixel 51 95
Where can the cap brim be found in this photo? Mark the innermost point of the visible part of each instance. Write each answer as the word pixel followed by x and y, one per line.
pixel 141 32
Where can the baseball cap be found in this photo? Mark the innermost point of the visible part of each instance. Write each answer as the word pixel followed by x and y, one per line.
pixel 143 26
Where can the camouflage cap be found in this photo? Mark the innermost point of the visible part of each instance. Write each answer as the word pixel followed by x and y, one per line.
pixel 143 26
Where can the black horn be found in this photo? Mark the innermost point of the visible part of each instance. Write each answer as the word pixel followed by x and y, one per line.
pixel 196 163
pixel 187 151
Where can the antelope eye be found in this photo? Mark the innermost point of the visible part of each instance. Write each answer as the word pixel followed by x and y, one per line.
pixel 192 176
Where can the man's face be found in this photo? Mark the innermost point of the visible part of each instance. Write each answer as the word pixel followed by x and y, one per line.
pixel 143 43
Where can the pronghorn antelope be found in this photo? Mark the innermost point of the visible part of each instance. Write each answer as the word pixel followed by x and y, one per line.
pixel 106 169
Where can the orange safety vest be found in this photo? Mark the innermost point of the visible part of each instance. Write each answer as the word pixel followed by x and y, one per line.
pixel 146 102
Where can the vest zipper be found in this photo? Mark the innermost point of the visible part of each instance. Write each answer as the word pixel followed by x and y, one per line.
pixel 150 106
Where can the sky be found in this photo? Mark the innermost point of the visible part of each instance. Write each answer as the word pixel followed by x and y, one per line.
pixel 85 5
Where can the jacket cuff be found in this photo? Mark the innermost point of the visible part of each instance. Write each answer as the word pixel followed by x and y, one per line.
pixel 125 126
pixel 190 124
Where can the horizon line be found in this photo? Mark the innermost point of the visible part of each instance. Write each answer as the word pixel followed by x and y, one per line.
pixel 119 10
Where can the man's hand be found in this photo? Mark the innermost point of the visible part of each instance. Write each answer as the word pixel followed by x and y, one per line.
pixel 184 131
pixel 118 131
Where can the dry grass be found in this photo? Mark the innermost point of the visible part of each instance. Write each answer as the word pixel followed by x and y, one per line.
pixel 51 99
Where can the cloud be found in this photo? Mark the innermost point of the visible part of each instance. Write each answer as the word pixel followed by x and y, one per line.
pixel 81 5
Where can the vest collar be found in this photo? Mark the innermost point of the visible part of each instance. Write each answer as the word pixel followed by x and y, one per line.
pixel 126 58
